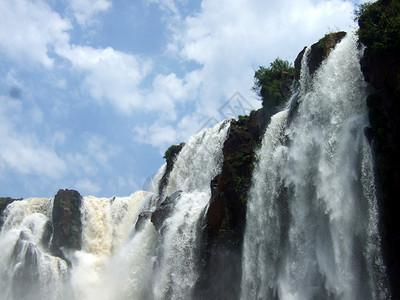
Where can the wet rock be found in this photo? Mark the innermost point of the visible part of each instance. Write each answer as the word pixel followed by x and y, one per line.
pixel 66 222
pixel 4 201
pixel 47 235
pixel 319 51
pixel 379 31
pixel 142 217
pixel 164 210
pixel 170 156
pixel 226 214
pixel 382 71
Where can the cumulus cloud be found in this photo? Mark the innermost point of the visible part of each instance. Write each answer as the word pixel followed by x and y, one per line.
pixel 211 54
pixel 30 30
pixel 229 44
pixel 111 75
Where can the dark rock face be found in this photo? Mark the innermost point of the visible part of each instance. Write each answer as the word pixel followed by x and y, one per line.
pixel 67 225
pixel 379 30
pixel 142 217
pixel 164 210
pixel 382 71
pixel 170 156
pixel 4 201
pixel 319 51
pixel 226 215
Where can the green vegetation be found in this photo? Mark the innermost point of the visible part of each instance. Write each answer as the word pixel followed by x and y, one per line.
pixel 268 82
pixel 172 151
pixel 4 201
pixel 379 25
pixel 321 43
pixel 243 119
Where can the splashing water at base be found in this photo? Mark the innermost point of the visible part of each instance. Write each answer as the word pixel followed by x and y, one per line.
pixel 27 271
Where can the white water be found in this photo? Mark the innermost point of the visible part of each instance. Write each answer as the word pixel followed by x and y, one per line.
pixel 197 164
pixel 24 263
pixel 116 260
pixel 311 230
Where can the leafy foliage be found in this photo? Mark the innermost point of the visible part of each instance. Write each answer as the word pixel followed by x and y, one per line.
pixel 268 81
pixel 379 24
pixel 172 151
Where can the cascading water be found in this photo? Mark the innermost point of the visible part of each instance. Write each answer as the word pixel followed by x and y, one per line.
pixel 118 260
pixel 197 164
pixel 27 270
pixel 311 230
pixel 311 225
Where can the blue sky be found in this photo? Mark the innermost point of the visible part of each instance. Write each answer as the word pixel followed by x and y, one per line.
pixel 92 92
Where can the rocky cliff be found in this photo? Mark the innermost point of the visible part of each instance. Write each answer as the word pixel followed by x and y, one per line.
pixel 380 33
pixel 225 217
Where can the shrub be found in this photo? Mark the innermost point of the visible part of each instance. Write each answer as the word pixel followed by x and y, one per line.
pixel 268 81
pixel 379 24
pixel 172 151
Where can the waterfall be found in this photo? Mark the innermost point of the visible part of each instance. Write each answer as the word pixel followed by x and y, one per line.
pixel 118 259
pixel 27 270
pixel 197 164
pixel 311 230
pixel 311 220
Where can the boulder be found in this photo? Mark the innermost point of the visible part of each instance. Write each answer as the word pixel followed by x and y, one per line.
pixel 66 222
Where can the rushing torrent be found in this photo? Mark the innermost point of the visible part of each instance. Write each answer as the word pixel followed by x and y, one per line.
pixel 311 230
pixel 117 261
pixel 311 225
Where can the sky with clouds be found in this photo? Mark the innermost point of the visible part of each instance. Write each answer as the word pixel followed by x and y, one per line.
pixel 92 92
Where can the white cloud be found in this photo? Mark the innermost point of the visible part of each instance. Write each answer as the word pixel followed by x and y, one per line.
pixel 22 151
pixel 85 10
pixel 29 31
pixel 158 135
pixel 229 43
pixel 110 74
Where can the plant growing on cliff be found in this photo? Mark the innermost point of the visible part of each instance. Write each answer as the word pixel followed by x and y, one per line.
pixel 268 81
pixel 379 24
pixel 172 151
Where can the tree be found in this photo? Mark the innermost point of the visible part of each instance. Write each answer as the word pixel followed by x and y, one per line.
pixel 379 25
pixel 270 83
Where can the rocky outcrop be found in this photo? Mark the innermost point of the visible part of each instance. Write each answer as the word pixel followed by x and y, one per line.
pixel 318 52
pixel 142 217
pixel 380 33
pixel 226 215
pixel 170 156
pixel 4 201
pixel 67 225
pixel 164 210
